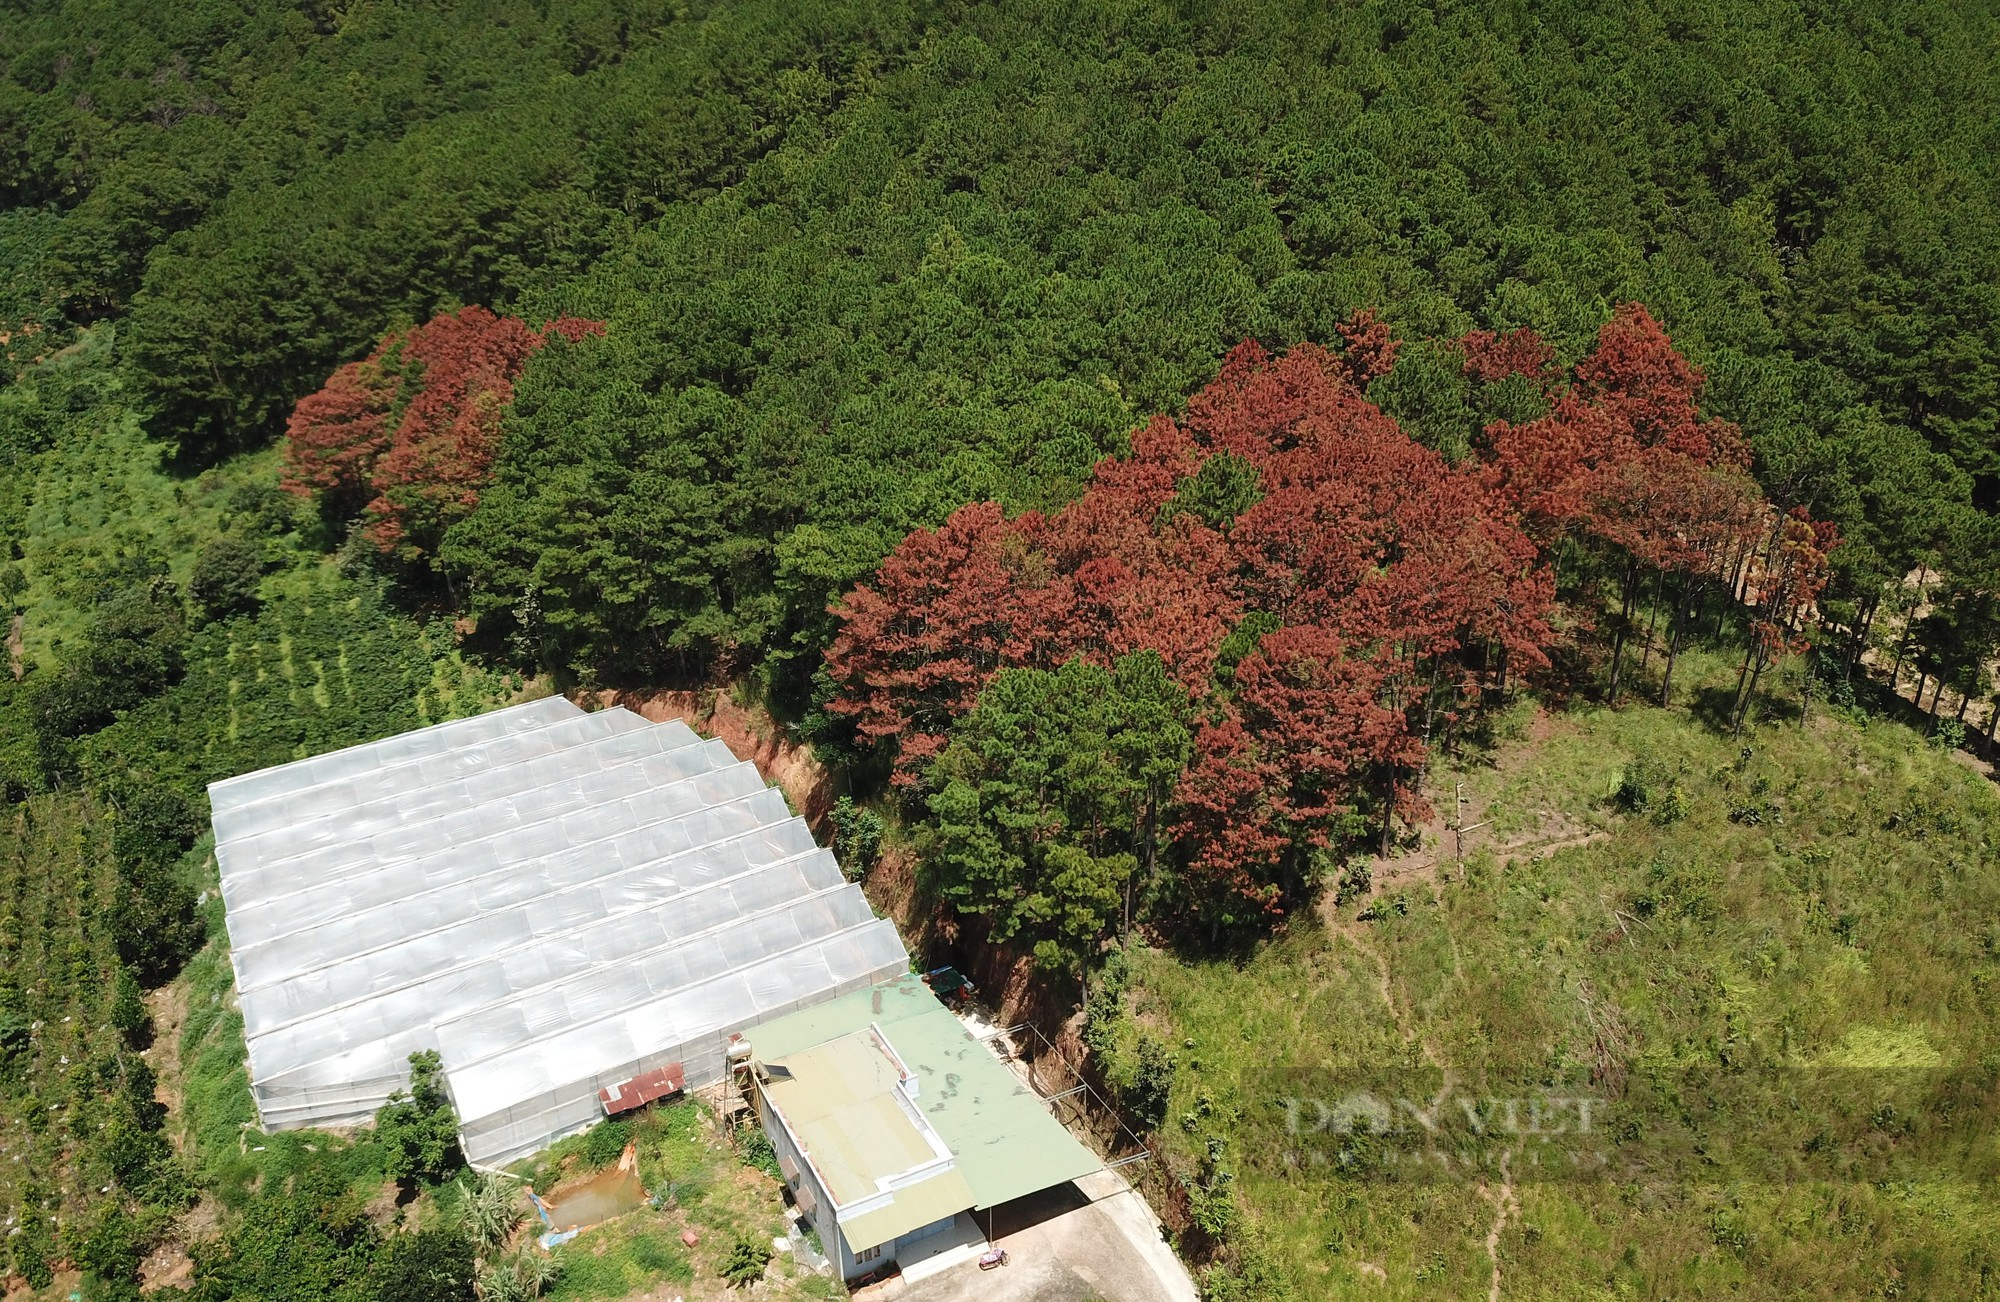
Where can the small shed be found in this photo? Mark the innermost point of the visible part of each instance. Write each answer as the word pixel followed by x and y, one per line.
pixel 646 1087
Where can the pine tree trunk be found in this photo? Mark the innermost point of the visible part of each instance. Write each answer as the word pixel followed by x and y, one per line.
pixel 1624 623
pixel 1430 700
pixel 1388 810
pixel 1865 624
pixel 1743 710
pixel 1653 620
pixel 1742 676
pixel 1683 612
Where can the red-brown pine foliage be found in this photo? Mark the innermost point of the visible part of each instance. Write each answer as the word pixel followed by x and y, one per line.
pixel 1376 556
pixel 1491 357
pixel 1397 580
pixel 1229 823
pixel 335 435
pixel 1622 443
pixel 1371 348
pixel 445 384
pixel 948 609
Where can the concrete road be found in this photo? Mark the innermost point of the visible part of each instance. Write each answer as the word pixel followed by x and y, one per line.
pixel 1092 1241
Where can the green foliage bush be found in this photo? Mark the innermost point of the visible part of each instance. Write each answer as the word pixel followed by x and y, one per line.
pixel 1247 1275
pixel 1152 1083
pixel 1104 1017
pixel 132 649
pixel 418 1127
pixel 605 1141
pixel 1648 786
pixel 109 1256
pixel 754 1146
pixel 227 574
pixel 128 1010
pixel 746 1261
pixel 428 1265
pixel 1212 1202
pixel 307 1240
pixel 857 837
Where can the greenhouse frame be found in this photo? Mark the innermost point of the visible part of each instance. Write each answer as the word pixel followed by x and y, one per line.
pixel 554 901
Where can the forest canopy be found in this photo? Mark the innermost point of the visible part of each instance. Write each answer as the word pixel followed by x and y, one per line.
pixel 1129 440
pixel 1308 596
pixel 861 266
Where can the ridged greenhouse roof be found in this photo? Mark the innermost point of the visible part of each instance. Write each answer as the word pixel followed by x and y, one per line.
pixel 543 895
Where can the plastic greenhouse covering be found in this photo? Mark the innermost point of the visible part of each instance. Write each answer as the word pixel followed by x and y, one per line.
pixel 555 901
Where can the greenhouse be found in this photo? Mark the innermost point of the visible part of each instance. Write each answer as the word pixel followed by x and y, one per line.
pixel 554 901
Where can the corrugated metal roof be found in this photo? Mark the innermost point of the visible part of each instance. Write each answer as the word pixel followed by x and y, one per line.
pixel 642 1089
pixel 843 1103
pixel 919 1205
pixel 1005 1143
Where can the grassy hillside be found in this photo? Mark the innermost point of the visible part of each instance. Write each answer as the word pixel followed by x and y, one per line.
pixel 1772 971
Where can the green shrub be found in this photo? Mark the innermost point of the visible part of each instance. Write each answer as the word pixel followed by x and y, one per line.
pixel 153 919
pixel 1152 1081
pixel 1212 1193
pixel 1248 1276
pixel 857 837
pixel 128 1010
pixel 1356 880
pixel 109 1256
pixel 605 1141
pixel 303 1240
pixel 1648 786
pixel 755 1148
pixel 431 1265
pixel 132 650
pixel 746 1261
pixel 418 1127
pixel 1104 1016
pixel 1637 784
pixel 34 1248
pixel 227 574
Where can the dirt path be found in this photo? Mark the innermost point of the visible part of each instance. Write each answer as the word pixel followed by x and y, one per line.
pixel 1504 1205
pixel 168 1264
pixel 17 647
pixel 1434 867
pixel 167 1009
pixel 1442 846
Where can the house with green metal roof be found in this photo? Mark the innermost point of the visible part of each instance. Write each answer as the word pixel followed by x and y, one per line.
pixel 894 1126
